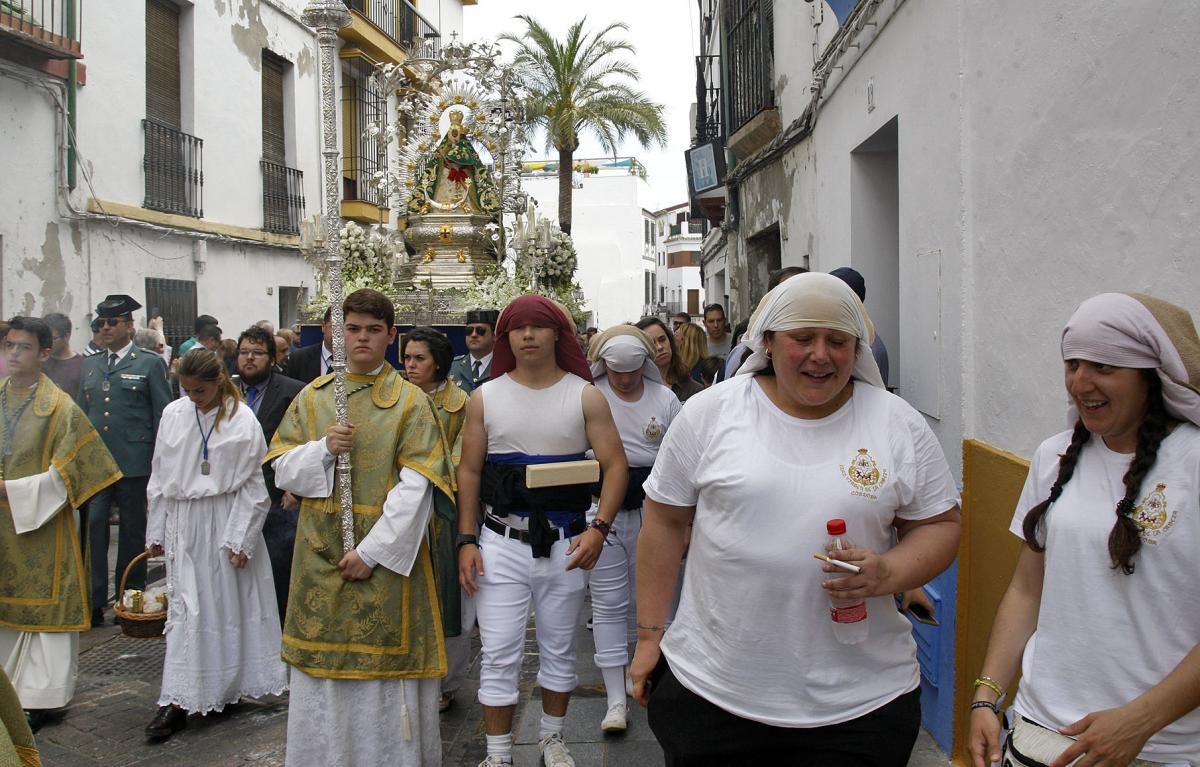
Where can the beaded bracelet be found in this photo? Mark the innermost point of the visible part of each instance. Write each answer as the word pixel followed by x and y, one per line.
pixel 991 684
pixel 601 525
pixel 986 704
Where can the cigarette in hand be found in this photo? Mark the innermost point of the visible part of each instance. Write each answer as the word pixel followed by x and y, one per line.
pixel 838 563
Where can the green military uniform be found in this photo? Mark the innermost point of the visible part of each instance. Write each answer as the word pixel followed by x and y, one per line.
pixel 461 373
pixel 126 413
pixel 124 402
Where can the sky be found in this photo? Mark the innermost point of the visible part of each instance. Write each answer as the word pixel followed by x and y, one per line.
pixel 665 37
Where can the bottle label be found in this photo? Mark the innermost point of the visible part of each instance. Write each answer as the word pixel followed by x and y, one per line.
pixel 849 614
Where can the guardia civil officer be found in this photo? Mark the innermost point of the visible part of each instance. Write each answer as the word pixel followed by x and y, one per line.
pixel 473 369
pixel 123 392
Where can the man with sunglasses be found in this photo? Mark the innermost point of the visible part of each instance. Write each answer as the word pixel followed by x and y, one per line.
pixel 473 369
pixel 123 392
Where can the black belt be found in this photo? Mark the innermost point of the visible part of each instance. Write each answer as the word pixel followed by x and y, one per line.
pixel 498 527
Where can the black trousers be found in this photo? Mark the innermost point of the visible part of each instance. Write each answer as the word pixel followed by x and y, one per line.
pixel 279 535
pixel 696 733
pixel 130 495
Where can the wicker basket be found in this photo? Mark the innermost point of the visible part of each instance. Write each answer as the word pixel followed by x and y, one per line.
pixel 139 625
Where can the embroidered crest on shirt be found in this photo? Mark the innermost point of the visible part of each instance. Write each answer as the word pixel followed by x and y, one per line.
pixel 1153 516
pixel 654 431
pixel 864 475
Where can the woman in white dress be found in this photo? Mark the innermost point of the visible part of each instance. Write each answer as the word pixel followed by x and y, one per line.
pixel 207 504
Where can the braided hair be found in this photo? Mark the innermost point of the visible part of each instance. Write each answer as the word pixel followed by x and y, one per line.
pixel 1124 541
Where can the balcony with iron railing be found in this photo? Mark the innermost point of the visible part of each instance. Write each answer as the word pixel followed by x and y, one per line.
pixel 399 20
pixel 283 198
pixel 708 99
pixel 48 27
pixel 174 169
pixel 749 52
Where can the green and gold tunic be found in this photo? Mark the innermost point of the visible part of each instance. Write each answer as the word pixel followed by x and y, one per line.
pixel 388 626
pixel 43 582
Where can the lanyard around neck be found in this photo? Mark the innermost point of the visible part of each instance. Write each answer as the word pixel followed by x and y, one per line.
pixel 204 465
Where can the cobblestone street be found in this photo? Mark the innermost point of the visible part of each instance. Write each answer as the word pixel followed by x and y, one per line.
pixel 119 682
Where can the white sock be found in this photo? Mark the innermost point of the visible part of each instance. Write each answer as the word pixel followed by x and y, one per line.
pixel 614 684
pixel 551 725
pixel 500 746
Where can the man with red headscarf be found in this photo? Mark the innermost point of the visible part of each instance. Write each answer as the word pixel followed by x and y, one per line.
pixel 540 408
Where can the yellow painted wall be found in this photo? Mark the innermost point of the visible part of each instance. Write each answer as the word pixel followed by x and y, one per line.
pixel 992 481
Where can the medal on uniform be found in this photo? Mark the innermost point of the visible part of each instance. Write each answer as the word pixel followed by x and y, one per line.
pixel 105 385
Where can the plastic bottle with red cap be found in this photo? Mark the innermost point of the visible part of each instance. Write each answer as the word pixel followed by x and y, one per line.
pixel 849 616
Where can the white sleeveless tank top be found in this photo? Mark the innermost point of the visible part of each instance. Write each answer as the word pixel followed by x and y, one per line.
pixel 534 421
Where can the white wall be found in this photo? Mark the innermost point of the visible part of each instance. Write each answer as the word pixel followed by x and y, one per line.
pixel 223 99
pixel 606 227
pixel 1083 172
pixel 446 15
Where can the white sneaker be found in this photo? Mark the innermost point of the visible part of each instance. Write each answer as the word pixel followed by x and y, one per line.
pixel 495 761
pixel 614 720
pixel 554 751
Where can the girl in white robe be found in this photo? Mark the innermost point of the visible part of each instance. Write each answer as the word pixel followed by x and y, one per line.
pixel 207 504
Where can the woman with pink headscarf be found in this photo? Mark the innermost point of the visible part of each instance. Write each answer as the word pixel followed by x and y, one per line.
pixel 1102 616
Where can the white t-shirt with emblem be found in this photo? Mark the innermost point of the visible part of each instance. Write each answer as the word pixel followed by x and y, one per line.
pixel 753 634
pixel 1103 637
pixel 642 424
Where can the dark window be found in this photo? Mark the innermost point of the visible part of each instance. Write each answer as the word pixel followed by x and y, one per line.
pixel 162 63
pixel 362 106
pixel 750 51
pixel 274 139
pixel 175 302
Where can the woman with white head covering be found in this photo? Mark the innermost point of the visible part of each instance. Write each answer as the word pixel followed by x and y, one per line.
pixel 750 671
pixel 1102 616
pixel 623 369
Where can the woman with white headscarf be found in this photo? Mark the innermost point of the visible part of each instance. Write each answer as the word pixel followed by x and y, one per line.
pixel 1102 616
pixel 750 671
pixel 623 370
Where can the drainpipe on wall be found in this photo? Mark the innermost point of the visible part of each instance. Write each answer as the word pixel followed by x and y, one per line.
pixel 72 84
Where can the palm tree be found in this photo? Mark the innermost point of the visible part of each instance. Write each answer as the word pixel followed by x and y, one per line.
pixel 578 85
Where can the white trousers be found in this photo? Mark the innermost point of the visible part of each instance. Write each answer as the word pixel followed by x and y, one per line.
pixel 512 578
pixel 612 583
pixel 458 649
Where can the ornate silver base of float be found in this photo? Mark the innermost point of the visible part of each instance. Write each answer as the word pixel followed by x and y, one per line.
pixel 451 249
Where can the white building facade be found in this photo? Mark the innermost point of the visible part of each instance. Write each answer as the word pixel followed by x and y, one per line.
pixel 611 231
pixel 677 255
pixel 178 162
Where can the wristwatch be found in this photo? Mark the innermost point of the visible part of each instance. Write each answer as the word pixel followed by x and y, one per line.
pixel 463 539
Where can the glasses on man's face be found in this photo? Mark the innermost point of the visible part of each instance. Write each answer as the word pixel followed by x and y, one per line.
pixel 251 353
pixel 477 330
pixel 112 322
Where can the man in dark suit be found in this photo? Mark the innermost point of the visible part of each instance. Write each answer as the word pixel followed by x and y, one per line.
pixel 269 394
pixel 311 362
pixel 474 369
pixel 123 392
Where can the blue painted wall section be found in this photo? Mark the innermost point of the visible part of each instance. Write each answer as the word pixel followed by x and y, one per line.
pixel 935 653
